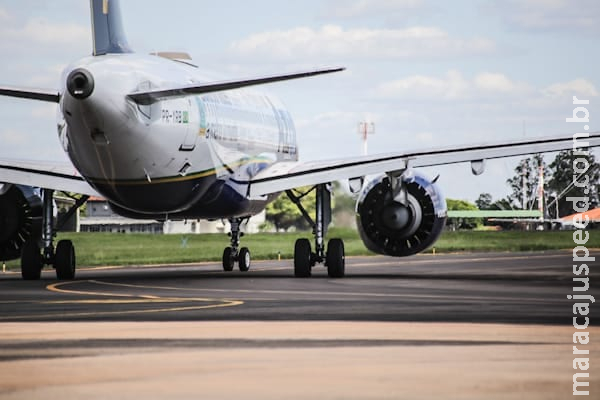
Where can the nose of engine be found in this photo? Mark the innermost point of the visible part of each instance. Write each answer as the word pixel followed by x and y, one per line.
pixel 80 84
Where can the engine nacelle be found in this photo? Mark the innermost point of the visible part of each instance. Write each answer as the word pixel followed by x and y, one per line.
pixel 20 219
pixel 391 228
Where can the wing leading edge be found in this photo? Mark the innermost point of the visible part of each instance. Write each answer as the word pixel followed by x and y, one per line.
pixel 285 176
pixel 60 177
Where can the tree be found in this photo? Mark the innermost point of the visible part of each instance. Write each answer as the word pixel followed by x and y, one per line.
pixel 484 202
pixel 527 176
pixel 344 207
pixel 563 175
pixel 284 214
pixel 460 205
pixel 463 205
pixel 502 204
pixel 343 201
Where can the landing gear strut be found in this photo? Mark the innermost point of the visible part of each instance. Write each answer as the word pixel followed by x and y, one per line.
pixel 304 259
pixel 33 258
pixel 234 254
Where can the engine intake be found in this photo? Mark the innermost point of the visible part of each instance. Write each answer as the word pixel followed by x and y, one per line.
pixel 20 220
pixel 397 229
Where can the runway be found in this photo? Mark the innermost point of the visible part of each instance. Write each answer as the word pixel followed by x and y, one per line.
pixel 450 326
pixel 500 288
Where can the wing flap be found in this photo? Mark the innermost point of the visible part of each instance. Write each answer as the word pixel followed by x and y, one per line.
pixel 150 97
pixel 286 176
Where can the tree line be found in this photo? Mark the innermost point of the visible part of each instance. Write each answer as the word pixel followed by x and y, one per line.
pixel 558 184
pixel 523 187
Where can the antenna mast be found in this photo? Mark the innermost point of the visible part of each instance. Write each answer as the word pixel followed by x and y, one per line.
pixel 365 129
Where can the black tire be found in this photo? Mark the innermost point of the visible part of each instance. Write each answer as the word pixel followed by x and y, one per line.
pixel 31 262
pixel 302 263
pixel 64 260
pixel 228 259
pixel 244 259
pixel 336 259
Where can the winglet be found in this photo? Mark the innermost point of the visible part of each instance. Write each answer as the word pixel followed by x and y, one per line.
pixel 107 28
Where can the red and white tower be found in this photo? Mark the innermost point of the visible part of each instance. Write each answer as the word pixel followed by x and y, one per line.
pixel 365 129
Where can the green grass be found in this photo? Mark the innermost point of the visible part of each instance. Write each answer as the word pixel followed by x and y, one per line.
pixel 94 249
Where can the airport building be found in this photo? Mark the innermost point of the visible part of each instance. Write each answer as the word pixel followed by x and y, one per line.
pixel 99 217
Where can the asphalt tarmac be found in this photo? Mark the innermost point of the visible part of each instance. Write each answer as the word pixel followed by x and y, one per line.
pixel 446 326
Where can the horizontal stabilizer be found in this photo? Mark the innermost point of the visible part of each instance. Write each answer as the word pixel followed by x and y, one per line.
pixel 150 97
pixel 51 96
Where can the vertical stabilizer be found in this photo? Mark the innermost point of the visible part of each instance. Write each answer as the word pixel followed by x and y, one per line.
pixel 107 28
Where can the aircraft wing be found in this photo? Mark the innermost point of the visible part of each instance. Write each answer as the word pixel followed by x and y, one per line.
pixel 47 175
pixel 285 176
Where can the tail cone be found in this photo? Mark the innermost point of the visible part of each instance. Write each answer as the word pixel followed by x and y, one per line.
pixel 80 84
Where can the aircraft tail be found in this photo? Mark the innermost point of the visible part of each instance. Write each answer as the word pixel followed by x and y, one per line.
pixel 107 28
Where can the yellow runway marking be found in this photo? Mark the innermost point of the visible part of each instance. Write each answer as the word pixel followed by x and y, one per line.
pixel 121 299
pixel 311 293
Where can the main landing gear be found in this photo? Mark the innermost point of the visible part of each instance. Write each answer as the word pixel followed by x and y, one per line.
pixel 304 258
pixel 234 254
pixel 334 256
pixel 33 258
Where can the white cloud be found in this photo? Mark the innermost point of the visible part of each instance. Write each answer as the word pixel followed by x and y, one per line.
pixel 11 137
pixel 335 42
pixel 37 140
pixel 46 111
pixel 326 119
pixel 575 87
pixel 47 77
pixel 452 86
pixel 40 30
pixel 499 83
pixel 425 86
pixel 362 8
pixel 547 15
pixel 4 15
pixel 37 33
pixel 426 138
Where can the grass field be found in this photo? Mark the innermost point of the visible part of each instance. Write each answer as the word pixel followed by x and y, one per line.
pixel 94 249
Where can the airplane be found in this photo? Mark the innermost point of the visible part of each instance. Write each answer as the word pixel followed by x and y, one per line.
pixel 158 140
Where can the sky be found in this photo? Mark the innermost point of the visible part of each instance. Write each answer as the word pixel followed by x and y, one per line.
pixel 426 73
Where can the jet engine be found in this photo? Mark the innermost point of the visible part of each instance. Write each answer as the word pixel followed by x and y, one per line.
pixel 401 219
pixel 20 219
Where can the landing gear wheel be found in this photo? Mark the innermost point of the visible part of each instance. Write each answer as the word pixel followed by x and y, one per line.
pixel 228 259
pixel 302 255
pixel 31 262
pixel 64 260
pixel 336 259
pixel 244 259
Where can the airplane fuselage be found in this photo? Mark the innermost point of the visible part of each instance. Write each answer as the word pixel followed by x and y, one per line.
pixel 180 156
